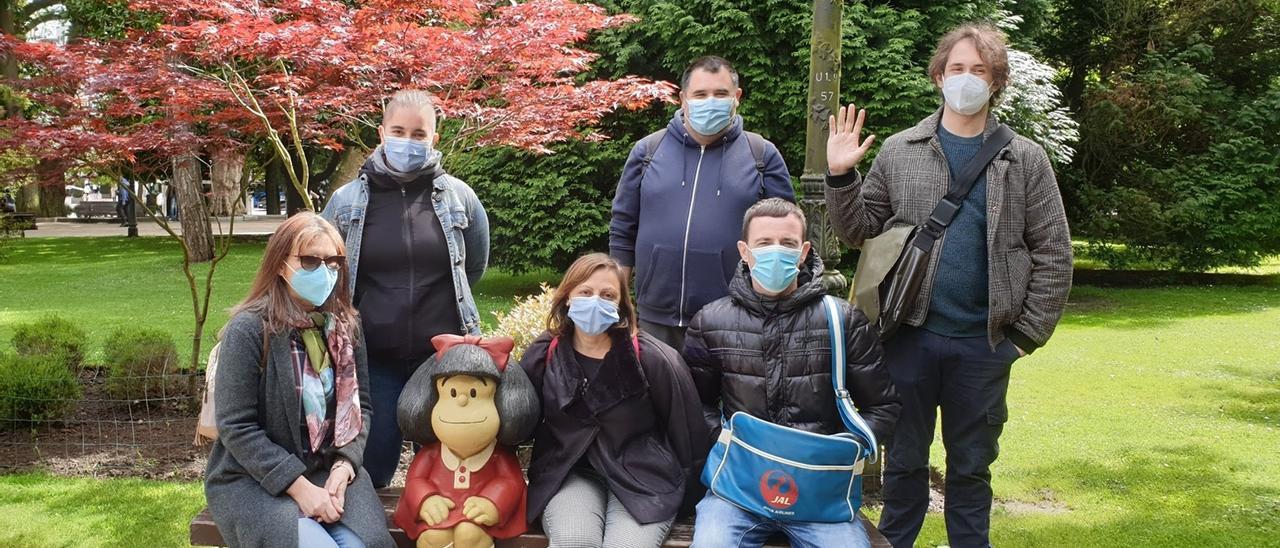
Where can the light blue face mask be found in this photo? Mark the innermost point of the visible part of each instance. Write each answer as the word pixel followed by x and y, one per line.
pixel 313 285
pixel 406 155
pixel 776 267
pixel 711 115
pixel 593 315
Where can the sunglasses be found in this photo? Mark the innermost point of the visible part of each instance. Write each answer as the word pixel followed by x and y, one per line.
pixel 311 262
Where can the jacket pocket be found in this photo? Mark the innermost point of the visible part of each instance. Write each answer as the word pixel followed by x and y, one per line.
pixel 659 289
pixel 1018 262
pixel 652 466
pixel 704 279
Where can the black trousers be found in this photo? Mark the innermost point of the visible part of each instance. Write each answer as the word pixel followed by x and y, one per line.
pixel 968 381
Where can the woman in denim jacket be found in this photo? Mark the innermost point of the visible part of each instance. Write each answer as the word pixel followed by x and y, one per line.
pixel 417 241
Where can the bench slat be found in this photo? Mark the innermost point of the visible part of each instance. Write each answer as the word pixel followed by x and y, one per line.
pixel 203 532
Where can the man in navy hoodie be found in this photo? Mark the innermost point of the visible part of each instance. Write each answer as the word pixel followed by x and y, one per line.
pixel 677 214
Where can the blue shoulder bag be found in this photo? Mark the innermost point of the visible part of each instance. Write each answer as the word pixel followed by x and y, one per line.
pixel 787 474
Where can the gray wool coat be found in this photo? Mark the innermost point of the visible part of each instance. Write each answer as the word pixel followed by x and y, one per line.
pixel 258 453
pixel 1028 241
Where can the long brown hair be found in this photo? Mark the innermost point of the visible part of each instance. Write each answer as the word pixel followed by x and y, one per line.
pixel 269 295
pixel 558 322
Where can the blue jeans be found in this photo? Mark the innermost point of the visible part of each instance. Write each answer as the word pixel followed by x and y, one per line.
pixel 720 524
pixel 312 534
pixel 382 451
pixel 968 381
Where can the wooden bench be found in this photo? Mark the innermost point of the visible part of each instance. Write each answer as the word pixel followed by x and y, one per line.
pixel 89 209
pixel 205 533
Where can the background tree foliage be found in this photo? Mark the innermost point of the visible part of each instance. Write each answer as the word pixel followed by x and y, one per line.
pixel 1177 104
pixel 1179 111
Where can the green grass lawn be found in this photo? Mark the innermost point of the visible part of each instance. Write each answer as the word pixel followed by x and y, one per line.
pixel 1151 419
pixel 105 283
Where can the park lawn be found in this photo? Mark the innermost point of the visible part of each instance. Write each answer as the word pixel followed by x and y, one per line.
pixel 102 284
pixel 40 510
pixel 1151 419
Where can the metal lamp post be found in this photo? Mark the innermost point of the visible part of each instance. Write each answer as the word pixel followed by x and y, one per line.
pixel 824 98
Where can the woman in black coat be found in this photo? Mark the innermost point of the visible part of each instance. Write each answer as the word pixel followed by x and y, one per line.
pixel 622 435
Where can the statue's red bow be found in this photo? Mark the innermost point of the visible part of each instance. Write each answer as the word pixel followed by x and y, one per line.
pixel 498 347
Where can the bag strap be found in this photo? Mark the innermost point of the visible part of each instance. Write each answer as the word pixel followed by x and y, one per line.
pixel 756 142
pixel 949 206
pixel 844 404
pixel 651 143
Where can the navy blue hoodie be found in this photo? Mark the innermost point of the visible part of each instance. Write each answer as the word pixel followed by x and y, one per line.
pixel 678 222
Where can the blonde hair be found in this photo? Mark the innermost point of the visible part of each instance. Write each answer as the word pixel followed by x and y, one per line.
pixel 411 98
pixel 990 44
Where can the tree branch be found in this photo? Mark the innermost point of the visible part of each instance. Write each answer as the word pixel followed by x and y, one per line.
pixel 35 6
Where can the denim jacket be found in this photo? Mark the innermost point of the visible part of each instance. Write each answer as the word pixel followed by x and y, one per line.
pixel 465 224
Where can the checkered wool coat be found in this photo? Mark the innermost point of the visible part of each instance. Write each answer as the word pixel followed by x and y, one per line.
pixel 1028 242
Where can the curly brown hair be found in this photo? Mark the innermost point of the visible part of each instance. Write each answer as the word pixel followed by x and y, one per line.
pixel 989 42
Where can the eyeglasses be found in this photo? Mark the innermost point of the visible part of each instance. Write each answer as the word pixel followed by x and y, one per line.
pixel 311 262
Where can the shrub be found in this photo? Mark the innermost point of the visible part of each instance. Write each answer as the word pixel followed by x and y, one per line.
pixel 141 365
pixel 35 389
pixel 51 336
pixel 525 321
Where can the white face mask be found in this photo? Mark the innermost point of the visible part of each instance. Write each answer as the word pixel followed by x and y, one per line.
pixel 965 93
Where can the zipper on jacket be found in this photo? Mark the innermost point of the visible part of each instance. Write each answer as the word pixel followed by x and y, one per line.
pixel 407 224
pixel 688 224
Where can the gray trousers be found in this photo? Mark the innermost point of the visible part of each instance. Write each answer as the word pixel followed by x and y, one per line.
pixel 670 334
pixel 584 514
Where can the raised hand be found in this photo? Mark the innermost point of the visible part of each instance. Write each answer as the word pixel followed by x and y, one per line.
pixel 845 147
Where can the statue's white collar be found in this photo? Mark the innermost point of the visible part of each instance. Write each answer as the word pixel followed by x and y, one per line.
pixel 473 463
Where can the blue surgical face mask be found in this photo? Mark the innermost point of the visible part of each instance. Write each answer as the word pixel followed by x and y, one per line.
pixel 709 116
pixel 406 155
pixel 593 315
pixel 776 267
pixel 313 285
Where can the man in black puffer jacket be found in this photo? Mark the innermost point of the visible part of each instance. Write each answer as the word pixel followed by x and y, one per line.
pixel 765 350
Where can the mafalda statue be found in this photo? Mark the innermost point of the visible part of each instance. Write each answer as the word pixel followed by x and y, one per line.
pixel 467 407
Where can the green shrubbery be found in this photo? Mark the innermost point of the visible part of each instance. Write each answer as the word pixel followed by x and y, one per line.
pixel 35 390
pixel 52 337
pixel 141 365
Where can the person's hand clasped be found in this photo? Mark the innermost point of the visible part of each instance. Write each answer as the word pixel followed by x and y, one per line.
pixel 845 146
pixel 339 477
pixel 314 501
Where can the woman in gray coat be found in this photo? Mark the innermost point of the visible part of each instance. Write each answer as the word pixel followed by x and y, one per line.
pixel 292 404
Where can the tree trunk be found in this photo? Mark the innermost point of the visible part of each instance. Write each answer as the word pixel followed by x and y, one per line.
pixel 52 200
pixel 228 167
pixel 9 65
pixel 50 190
pixel 293 200
pixel 349 168
pixel 276 177
pixel 28 198
pixel 191 209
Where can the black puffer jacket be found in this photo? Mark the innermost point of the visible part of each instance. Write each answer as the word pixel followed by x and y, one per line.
pixel 771 357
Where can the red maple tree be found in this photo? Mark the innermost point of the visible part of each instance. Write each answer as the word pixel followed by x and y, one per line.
pixel 228 75
pixel 313 72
